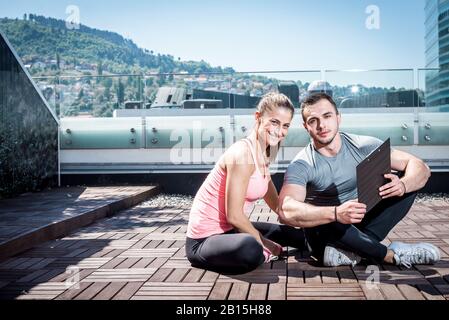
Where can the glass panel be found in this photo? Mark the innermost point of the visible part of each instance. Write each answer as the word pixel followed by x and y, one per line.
pixel 377 103
pixel 434 117
pixel 189 114
pixel 48 88
pixel 384 89
pixel 101 133
pixel 292 84
pixel 94 96
pixel 381 103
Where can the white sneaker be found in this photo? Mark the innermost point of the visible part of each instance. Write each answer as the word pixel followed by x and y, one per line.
pixel 334 257
pixel 410 254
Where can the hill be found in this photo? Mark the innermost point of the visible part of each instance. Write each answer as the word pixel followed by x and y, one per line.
pixel 38 38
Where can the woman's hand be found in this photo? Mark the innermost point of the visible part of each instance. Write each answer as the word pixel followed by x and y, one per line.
pixel 273 247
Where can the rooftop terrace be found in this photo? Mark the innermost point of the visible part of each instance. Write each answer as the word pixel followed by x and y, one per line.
pixel 120 243
pixel 139 254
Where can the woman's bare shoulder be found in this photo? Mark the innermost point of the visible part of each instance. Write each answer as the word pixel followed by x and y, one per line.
pixel 238 153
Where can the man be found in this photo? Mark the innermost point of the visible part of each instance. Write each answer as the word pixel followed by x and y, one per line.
pixel 320 194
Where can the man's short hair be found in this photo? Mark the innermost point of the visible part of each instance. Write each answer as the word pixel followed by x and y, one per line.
pixel 314 98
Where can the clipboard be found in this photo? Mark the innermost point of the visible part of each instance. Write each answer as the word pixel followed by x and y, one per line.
pixel 370 175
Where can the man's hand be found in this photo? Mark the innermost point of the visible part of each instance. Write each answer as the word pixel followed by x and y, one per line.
pixel 395 188
pixel 351 212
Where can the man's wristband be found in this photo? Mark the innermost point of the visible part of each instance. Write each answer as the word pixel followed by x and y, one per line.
pixel 335 213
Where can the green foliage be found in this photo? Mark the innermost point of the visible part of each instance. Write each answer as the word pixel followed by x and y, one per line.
pixel 103 110
pixel 46 38
pixel 89 52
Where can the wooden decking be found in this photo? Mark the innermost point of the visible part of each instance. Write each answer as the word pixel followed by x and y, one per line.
pixel 33 218
pixel 139 254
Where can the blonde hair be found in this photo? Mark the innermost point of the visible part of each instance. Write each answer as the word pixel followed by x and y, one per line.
pixel 275 100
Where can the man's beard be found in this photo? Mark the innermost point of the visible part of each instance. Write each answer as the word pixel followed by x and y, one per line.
pixel 328 141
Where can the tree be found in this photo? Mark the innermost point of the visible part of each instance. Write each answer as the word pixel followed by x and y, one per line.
pixel 149 82
pixel 107 93
pixel 120 92
pixel 99 71
pixel 107 82
pixel 100 68
pixel 139 89
pixel 161 80
pixel 58 61
pixel 44 37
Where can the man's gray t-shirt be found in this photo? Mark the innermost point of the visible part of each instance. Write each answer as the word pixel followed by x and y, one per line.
pixel 330 181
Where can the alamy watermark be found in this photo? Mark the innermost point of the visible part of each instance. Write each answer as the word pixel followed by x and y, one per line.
pixel 73 21
pixel 73 281
pixel 372 22
pixel 373 279
pixel 200 143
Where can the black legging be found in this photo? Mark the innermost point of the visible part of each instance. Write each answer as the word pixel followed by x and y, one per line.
pixel 363 238
pixel 238 253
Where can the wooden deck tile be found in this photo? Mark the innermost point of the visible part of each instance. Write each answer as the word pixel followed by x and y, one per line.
pixel 258 291
pixel 277 291
pixel 128 291
pixel 114 259
pixel 92 291
pixel 371 291
pixel 391 292
pixel 160 275
pixel 108 292
pixel 182 291
pixel 220 291
pixel 120 275
pixel 410 292
pixel 177 275
pixel 194 275
pixel 239 291
pixel 71 293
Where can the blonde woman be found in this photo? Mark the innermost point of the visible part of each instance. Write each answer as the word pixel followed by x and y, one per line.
pixel 220 237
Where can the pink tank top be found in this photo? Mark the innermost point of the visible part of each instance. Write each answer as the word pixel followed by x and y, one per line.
pixel 207 215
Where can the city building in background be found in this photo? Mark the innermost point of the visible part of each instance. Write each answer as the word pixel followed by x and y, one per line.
pixel 437 52
pixel 320 86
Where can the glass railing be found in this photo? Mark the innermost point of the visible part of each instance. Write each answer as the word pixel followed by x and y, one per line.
pixel 156 122
pixel 354 90
pixel 386 90
pixel 409 106
pixel 433 117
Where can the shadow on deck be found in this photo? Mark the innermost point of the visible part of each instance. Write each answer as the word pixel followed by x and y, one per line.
pixel 139 254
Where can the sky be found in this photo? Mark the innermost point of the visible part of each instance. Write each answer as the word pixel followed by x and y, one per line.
pixel 257 35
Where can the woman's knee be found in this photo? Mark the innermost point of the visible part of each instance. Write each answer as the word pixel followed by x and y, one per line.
pixel 240 254
pixel 251 252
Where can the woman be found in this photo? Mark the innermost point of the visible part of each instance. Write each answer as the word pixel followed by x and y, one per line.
pixel 220 236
